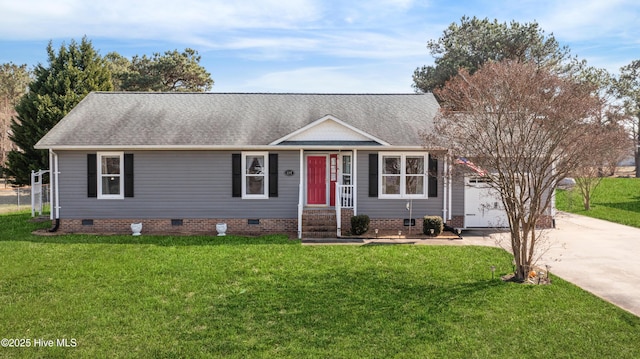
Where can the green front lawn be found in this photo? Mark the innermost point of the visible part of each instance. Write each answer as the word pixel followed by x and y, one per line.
pixel 615 199
pixel 234 297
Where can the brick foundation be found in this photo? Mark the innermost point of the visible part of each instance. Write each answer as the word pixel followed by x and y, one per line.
pixel 346 214
pixel 456 222
pixel 393 224
pixel 239 226
pixel 397 224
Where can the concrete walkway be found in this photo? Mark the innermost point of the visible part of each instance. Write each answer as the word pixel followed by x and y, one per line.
pixel 599 256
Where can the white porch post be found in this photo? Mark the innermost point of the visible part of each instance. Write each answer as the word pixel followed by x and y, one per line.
pixel 450 169
pixel 354 181
pixel 444 190
pixel 300 193
pixel 338 201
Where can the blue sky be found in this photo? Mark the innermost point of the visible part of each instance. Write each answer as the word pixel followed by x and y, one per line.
pixel 306 45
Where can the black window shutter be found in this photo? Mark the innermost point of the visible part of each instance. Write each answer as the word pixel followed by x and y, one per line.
pixel 236 175
pixel 373 175
pixel 273 175
pixel 433 176
pixel 128 174
pixel 92 175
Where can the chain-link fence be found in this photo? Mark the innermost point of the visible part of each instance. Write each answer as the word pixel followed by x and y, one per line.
pixel 19 198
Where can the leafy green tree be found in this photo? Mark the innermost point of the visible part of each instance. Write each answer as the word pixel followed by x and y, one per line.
pixel 171 71
pixel 627 88
pixel 14 82
pixel 72 73
pixel 474 42
pixel 120 68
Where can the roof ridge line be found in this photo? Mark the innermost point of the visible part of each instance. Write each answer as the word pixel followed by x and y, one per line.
pixel 257 93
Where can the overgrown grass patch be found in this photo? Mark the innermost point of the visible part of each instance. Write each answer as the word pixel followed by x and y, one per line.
pixel 237 297
pixel 615 199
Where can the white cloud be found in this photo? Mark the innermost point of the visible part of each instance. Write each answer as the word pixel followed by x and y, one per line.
pixel 319 40
pixel 344 79
pixel 271 28
pixel 356 44
pixel 375 45
pixel 31 19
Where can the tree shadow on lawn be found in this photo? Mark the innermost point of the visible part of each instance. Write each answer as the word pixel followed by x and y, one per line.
pixel 390 306
pixel 402 310
pixel 633 206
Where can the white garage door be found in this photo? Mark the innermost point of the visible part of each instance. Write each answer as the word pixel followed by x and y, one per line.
pixel 482 205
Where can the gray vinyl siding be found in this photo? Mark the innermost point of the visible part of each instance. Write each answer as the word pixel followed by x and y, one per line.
pixel 177 184
pixel 457 194
pixel 395 208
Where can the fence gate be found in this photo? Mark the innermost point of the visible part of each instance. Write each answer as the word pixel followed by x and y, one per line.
pixel 37 192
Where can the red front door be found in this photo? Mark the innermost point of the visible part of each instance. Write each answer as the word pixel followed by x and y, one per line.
pixel 317 180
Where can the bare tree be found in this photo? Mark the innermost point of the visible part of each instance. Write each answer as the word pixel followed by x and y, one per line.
pixel 608 143
pixel 528 128
pixel 609 140
pixel 613 118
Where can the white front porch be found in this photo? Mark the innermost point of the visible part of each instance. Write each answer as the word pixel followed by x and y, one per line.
pixel 327 186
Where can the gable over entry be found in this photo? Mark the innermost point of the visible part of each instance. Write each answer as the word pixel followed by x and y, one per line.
pixel 329 130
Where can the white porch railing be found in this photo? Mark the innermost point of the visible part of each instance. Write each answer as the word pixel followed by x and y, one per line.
pixel 345 195
pixel 344 199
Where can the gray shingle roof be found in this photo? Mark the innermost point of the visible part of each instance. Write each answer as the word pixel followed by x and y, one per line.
pixel 129 119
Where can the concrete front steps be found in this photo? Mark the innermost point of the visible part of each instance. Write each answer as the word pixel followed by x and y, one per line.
pixel 319 223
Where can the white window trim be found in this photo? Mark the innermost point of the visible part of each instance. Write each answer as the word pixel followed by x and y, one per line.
pixel 341 173
pixel 121 175
pixel 265 174
pixel 403 175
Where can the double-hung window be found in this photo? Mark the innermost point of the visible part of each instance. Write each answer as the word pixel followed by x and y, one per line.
pixel 110 175
pixel 403 175
pixel 255 183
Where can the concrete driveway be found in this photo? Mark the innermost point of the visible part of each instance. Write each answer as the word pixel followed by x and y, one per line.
pixel 598 256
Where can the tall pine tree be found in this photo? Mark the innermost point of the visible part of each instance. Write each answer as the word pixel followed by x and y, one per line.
pixel 72 73
pixel 474 42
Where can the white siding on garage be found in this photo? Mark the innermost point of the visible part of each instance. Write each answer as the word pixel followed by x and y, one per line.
pixel 483 205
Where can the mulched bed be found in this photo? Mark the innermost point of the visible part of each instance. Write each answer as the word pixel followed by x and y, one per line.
pixel 403 234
